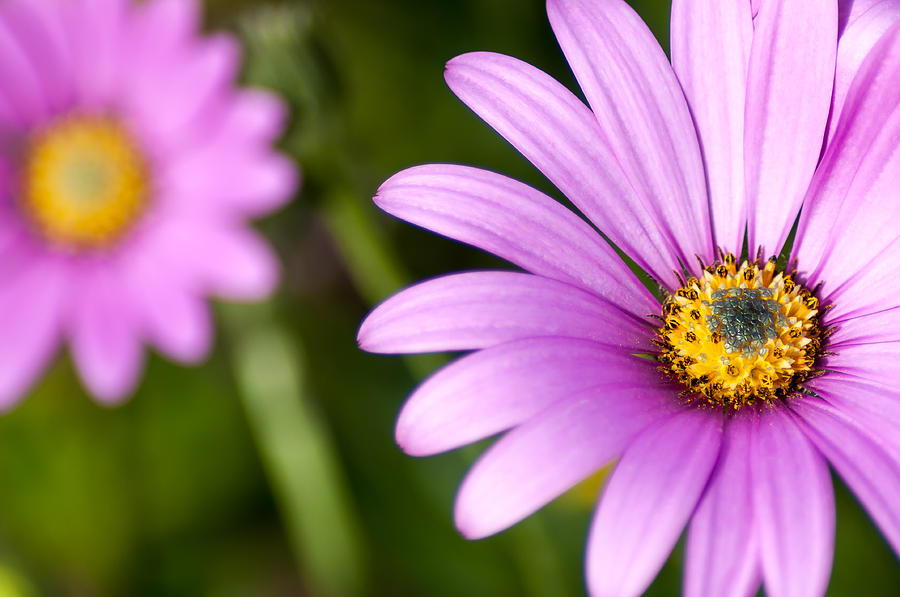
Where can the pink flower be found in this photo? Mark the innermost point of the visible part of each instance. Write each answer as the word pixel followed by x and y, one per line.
pixel 724 412
pixel 129 164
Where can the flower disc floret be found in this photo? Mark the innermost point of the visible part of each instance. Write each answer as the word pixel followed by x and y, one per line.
pixel 85 182
pixel 740 335
pixel 130 165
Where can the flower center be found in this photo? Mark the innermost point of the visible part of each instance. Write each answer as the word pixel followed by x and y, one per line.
pixel 85 182
pixel 738 336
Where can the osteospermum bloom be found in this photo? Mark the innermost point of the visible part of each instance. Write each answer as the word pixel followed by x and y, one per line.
pixel 129 163
pixel 723 408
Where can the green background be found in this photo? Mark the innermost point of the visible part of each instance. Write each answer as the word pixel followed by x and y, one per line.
pixel 271 469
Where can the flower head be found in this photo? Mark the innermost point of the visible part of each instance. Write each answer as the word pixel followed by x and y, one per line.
pixel 129 163
pixel 724 406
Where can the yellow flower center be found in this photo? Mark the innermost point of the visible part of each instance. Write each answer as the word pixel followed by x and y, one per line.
pixel 740 336
pixel 85 182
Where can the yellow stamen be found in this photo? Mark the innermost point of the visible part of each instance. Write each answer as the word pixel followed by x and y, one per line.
pixel 738 336
pixel 85 182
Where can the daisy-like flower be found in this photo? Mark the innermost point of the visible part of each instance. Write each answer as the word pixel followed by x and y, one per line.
pixel 129 163
pixel 723 410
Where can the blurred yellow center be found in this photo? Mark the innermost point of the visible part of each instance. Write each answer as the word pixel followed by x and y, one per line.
pixel 85 182
pixel 739 336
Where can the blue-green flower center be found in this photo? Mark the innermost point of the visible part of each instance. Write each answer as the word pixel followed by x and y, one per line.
pixel 746 318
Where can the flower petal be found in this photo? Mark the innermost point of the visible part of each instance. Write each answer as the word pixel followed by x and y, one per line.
pixel 499 387
pixel 22 97
pixel 874 404
pixel 168 312
pixel 640 106
pixel 722 555
pixel 861 24
pixel 866 466
pixel 860 382
pixel 97 28
pixel 178 323
pixel 161 33
pixel 237 264
pixel 855 186
pixel 793 505
pixel 226 261
pixel 875 328
pixel 561 137
pixel 710 54
pixel 166 102
pixel 254 116
pixel 30 337
pixel 788 99
pixel 515 222
pixel 648 499
pixel 872 288
pixel 865 361
pixel 229 177
pixel 105 338
pixel 479 309
pixel 549 454
pixel 38 28
pixel 168 23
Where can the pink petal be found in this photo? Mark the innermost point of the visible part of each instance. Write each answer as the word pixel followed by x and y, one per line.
pixel 18 250
pixel 169 314
pixel 10 236
pixel 231 166
pixel 228 177
pixel 479 309
pixel 165 101
pixel 866 466
pixel 32 305
pixel 178 323
pixel 224 260
pixel 499 387
pixel 876 328
pixel 865 361
pixel 861 25
pixel 246 268
pixel 872 287
pixel 38 28
pixel 22 99
pixel 9 119
pixel 515 222
pixel 855 186
pixel 97 30
pixel 722 555
pixel 794 508
pixel 875 404
pixel 648 500
pixel 556 449
pixel 788 98
pixel 559 135
pixel 160 33
pixel 165 23
pixel 254 116
pixel 640 106
pixel 710 54
pixel 105 339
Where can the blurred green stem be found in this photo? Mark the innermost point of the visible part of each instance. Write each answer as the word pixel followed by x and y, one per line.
pixel 371 263
pixel 375 272
pixel 297 452
pixel 536 559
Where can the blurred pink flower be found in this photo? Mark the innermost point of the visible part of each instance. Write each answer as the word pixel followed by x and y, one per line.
pixel 129 164
pixel 672 162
